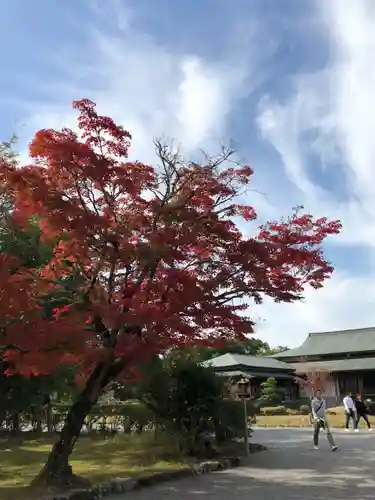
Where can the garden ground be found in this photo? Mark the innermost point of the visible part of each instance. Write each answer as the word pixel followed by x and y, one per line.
pixel 97 458
pixel 291 469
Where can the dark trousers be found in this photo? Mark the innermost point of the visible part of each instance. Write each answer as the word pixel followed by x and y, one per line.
pixel 365 418
pixel 348 416
pixel 322 424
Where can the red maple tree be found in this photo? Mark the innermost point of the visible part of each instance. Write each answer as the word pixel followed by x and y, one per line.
pixel 146 258
pixel 313 379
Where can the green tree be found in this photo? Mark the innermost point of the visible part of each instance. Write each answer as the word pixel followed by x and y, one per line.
pixel 184 396
pixel 20 395
pixel 269 351
pixel 251 347
pixel 270 392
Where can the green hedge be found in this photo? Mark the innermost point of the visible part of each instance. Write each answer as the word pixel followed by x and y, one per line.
pixel 304 410
pixel 230 414
pixel 371 407
pixel 296 404
pixel 130 409
pixel 274 410
pixel 229 422
pixel 126 414
pixel 282 410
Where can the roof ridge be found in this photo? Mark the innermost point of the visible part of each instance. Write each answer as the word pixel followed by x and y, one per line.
pixel 347 330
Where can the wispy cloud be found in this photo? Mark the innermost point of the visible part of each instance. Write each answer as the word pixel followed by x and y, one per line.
pixel 151 88
pixel 324 134
pixel 326 126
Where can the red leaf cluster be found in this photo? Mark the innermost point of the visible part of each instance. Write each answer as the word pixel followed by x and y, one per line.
pixel 160 259
pixel 314 379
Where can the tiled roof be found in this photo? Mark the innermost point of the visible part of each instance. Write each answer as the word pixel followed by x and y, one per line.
pixel 251 373
pixel 337 365
pixel 339 342
pixel 242 360
pixel 235 373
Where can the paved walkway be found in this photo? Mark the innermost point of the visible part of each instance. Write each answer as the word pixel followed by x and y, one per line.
pixel 291 469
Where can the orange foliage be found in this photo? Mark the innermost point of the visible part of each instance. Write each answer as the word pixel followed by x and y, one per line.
pixel 162 262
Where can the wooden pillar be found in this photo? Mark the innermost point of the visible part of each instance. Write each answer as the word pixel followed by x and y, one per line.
pixel 337 386
pixel 360 382
pixel 250 388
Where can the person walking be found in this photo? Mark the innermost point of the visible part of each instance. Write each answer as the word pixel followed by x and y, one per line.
pixel 318 410
pixel 350 411
pixel 362 412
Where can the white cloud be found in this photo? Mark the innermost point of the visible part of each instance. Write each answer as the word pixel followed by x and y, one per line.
pixel 344 302
pixel 336 106
pixel 203 100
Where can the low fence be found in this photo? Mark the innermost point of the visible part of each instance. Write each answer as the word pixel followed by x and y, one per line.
pixel 119 417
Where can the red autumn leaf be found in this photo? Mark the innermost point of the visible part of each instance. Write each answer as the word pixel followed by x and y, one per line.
pixel 158 259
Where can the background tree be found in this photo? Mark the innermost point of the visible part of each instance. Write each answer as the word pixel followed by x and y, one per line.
pixel 269 351
pixel 314 379
pixel 159 260
pixel 271 392
pixel 188 399
pixel 20 395
pixel 251 346
pixel 184 396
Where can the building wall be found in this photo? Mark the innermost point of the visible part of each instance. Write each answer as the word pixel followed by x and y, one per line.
pixel 330 389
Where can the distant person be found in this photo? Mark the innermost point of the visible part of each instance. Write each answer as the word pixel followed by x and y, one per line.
pixel 350 411
pixel 318 410
pixel 362 412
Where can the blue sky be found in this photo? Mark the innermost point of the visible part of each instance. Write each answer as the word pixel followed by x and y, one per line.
pixel 292 83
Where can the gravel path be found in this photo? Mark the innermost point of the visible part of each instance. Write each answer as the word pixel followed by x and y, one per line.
pixel 290 469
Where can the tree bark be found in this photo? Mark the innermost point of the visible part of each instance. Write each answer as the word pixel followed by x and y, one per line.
pixel 57 470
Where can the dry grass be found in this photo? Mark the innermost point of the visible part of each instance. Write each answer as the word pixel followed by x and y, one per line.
pixel 96 458
pixel 336 419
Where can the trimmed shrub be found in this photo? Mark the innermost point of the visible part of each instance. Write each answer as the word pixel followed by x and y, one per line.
pixel 336 410
pixel 371 406
pixel 293 412
pixel 273 410
pixel 295 404
pixel 270 391
pixel 130 414
pixel 304 410
pixel 229 419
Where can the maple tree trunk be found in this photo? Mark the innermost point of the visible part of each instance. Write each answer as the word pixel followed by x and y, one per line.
pixel 57 470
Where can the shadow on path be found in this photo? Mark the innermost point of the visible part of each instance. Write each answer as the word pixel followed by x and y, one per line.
pixel 291 469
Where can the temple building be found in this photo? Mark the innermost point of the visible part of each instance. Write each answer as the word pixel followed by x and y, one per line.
pixel 348 355
pixel 256 369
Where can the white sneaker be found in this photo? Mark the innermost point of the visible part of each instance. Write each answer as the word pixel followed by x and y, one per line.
pixel 356 430
pixel 347 430
pixel 316 447
pixel 370 429
pixel 334 448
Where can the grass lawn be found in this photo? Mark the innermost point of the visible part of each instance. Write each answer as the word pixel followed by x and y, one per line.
pixel 97 458
pixel 335 421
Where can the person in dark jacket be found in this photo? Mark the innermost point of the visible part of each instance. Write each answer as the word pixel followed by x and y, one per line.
pixel 362 412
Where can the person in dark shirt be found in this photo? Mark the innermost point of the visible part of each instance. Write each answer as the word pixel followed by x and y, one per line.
pixel 362 412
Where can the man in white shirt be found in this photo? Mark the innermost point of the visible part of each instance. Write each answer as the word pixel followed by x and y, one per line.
pixel 350 411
